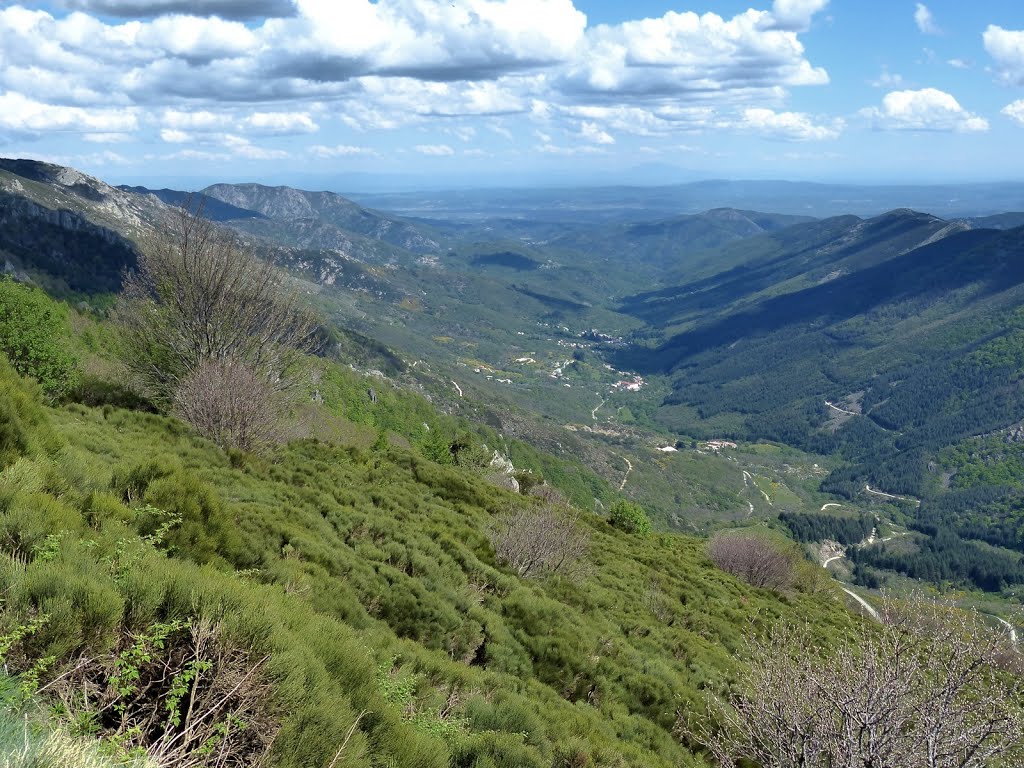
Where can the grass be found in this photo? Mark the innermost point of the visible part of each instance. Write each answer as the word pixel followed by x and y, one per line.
pixel 336 562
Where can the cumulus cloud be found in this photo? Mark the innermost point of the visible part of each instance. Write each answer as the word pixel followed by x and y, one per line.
pixel 227 9
pixel 1015 111
pixel 1006 47
pixel 927 109
pixel 795 14
pixel 385 64
pixel 789 126
pixel 280 123
pixel 925 21
pixel 593 133
pixel 174 136
pixel 683 54
pixel 20 114
pixel 435 150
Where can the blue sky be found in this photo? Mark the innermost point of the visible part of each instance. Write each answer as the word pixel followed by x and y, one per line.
pixel 506 91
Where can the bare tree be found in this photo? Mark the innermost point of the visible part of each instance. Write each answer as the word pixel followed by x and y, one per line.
pixel 754 558
pixel 232 405
pixel 198 296
pixel 927 687
pixel 542 541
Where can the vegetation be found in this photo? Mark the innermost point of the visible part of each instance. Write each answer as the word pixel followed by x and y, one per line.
pixel 33 336
pixel 137 561
pixel 630 517
pixel 754 557
pixel 929 688
pixel 812 526
pixel 199 297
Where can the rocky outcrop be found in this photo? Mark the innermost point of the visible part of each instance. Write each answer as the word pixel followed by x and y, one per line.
pixel 87 257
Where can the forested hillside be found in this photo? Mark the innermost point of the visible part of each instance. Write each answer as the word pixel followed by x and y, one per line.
pixel 892 344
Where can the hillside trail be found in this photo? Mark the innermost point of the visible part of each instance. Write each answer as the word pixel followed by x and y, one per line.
pixel 593 413
pixel 629 469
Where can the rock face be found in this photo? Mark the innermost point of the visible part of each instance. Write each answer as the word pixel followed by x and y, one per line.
pixel 87 257
pixel 323 210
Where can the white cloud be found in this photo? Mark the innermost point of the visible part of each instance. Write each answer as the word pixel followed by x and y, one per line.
pixel 683 54
pixel 388 64
pixel 174 136
pixel 435 150
pixel 341 150
pixel 959 64
pixel 242 147
pixel 228 9
pixel 280 123
pixel 790 126
pixel 1006 47
pixel 925 21
pixel 1015 111
pixel 21 114
pixel 795 14
pixel 201 120
pixel 927 109
pixel 593 133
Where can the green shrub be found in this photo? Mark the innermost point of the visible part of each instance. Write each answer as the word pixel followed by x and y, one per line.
pixel 24 429
pixel 629 517
pixel 34 335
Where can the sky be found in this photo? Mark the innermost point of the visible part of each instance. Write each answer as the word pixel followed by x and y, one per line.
pixel 488 92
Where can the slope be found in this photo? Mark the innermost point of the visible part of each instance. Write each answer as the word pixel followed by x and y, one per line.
pixel 894 347
pixel 353 595
pixel 312 219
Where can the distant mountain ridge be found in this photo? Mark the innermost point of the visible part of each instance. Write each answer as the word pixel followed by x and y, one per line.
pixel 312 218
pixel 211 207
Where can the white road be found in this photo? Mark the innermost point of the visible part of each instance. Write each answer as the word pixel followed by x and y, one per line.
pixel 834 557
pixel 867 607
pixel 457 387
pixel 826 506
pixel 841 410
pixel 871 490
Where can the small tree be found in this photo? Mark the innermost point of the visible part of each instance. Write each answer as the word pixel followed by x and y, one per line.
pixel 232 405
pixel 34 337
pixel 929 687
pixel 198 296
pixel 629 517
pixel 753 557
pixel 541 541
